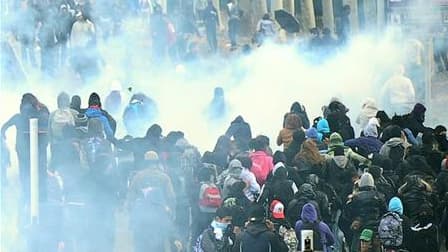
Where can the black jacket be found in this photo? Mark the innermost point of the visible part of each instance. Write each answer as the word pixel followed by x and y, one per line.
pixel 257 237
pixel 368 206
pixel 241 132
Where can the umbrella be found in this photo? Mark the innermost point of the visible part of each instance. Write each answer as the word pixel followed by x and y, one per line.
pixel 287 21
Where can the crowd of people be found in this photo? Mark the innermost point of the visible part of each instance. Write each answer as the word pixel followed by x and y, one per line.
pixel 66 34
pixel 325 190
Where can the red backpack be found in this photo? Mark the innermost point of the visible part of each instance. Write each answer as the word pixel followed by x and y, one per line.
pixel 210 197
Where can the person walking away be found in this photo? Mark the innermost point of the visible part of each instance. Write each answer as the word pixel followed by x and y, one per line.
pixel 368 111
pixel 394 227
pixel 312 233
pixel 59 121
pixel 235 13
pixel 216 238
pixel 81 37
pixel 398 93
pixel 259 234
pixel 241 133
pixel 64 29
pixel 211 20
pixel 265 29
pixel 26 32
pixel 30 107
pixel 151 202
pixel 285 136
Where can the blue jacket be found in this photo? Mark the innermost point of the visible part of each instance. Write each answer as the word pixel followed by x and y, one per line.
pixel 93 112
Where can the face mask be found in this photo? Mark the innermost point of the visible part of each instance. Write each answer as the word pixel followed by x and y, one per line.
pixel 219 225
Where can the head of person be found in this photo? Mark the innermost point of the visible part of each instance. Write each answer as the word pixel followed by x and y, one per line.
pixel 396 206
pixel 279 157
pixel 366 181
pixel 366 240
pixel 266 16
pixel 256 214
pixel 314 32
pixel 277 210
pixel 223 218
pixel 79 16
pixel 382 117
pixel 419 112
pixel 155 131
pixel 245 160
pixel 218 92
pixel 94 100
pixel 63 100
pixel 326 31
pixel 309 213
pixel 75 102
pixel 293 121
pixel 151 159
pixel 335 140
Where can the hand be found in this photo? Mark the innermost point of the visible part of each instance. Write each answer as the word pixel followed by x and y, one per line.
pixel 270 225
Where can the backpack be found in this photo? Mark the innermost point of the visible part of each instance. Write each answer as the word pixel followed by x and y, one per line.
pixel 390 230
pixel 229 181
pixel 317 238
pixel 209 197
pixel 61 119
pixel 424 238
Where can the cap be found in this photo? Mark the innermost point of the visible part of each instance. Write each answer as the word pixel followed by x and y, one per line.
pixel 366 235
pixel 277 209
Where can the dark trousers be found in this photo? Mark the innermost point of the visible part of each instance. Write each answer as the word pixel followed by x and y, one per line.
pixel 211 38
pixel 234 27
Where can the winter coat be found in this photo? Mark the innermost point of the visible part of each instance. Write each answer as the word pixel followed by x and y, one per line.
pixel 391 143
pixel 209 243
pixel 266 27
pixel 151 177
pixel 398 90
pixel 257 237
pixel 367 206
pixel 241 133
pixel 252 189
pixel 339 173
pixel 364 145
pixel 285 135
pixel 368 110
pixel 309 215
pixel 106 119
pixel 297 109
pixel 262 165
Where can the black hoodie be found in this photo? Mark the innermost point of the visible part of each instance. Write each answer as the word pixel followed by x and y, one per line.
pixel 257 237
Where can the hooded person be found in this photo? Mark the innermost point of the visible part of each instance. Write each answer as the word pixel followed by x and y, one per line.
pixel 151 201
pixel 323 129
pixel 298 138
pixel 279 187
pixel 441 138
pixel 95 111
pixel 285 136
pixel 368 143
pixel 298 109
pixel 259 235
pixel 336 115
pixel 391 224
pixel 365 207
pixel 395 147
pixel 368 111
pixel 241 133
pixel 262 163
pixel 414 120
pixel 336 141
pixel 322 237
pixel 139 113
pixel 217 109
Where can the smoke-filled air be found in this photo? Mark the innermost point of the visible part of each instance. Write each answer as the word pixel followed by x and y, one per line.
pixel 224 125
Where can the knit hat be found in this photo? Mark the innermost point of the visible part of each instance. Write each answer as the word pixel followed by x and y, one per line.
pixel 151 156
pixel 277 209
pixel 336 140
pixel 439 129
pixel 419 109
pixel 366 235
pixel 366 180
pixel 312 133
pixel 323 126
pixel 395 205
